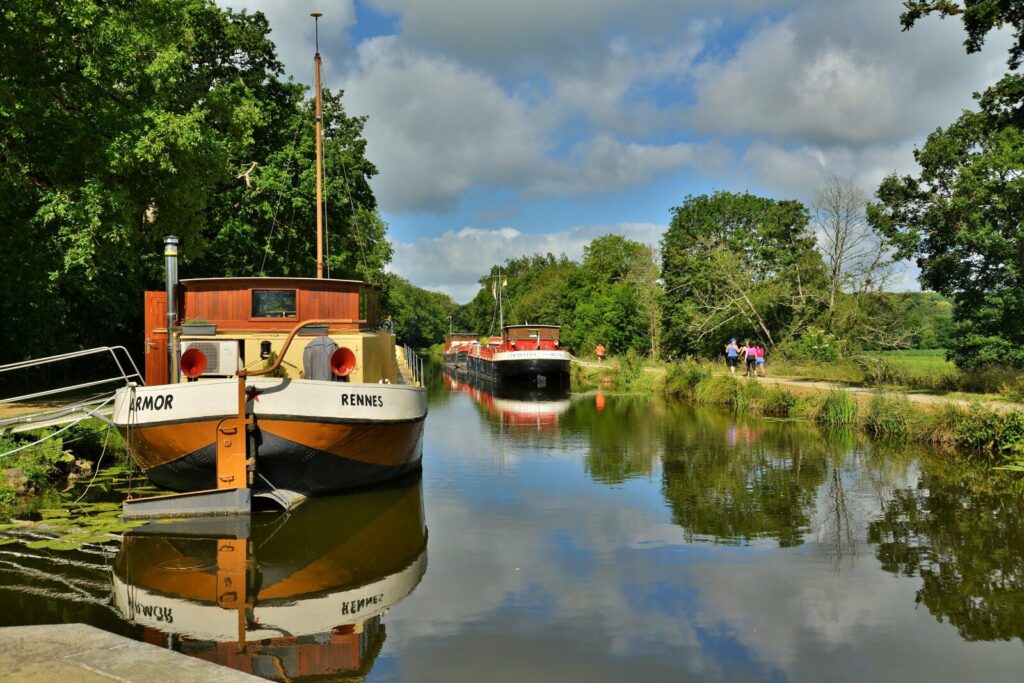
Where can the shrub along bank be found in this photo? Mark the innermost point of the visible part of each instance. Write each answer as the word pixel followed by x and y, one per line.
pixel 31 477
pixel 995 436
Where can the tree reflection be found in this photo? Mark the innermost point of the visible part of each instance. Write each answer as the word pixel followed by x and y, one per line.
pixel 962 531
pixel 623 438
pixel 731 481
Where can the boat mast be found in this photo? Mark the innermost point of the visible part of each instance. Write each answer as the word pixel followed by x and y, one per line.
pixel 319 155
pixel 501 306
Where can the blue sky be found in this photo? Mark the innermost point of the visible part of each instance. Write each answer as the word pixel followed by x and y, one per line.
pixel 506 128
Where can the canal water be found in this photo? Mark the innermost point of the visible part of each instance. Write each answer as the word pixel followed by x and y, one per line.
pixel 583 537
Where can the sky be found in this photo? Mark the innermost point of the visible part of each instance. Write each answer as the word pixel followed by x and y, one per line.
pixel 509 128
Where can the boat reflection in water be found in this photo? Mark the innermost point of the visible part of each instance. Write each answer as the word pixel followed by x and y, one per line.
pixel 517 405
pixel 293 596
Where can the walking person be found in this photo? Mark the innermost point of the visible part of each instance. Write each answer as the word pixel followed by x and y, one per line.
pixel 599 351
pixel 759 355
pixel 750 358
pixel 732 355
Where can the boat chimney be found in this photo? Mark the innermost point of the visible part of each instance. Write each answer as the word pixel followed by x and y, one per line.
pixel 171 274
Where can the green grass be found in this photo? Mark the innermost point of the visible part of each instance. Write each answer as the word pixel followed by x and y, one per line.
pixel 925 360
pixel 838 409
pixel 917 370
pixel 997 436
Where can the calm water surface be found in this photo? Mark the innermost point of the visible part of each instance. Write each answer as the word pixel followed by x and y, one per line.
pixel 584 538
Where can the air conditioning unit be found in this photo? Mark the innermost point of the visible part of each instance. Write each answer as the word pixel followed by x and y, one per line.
pixel 221 356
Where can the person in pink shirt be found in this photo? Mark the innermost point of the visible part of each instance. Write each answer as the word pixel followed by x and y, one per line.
pixel 759 356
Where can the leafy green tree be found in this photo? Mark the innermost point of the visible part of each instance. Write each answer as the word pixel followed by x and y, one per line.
pixel 535 290
pixel 267 212
pixel 979 17
pixel 961 218
pixel 121 122
pixel 737 265
pixel 607 292
pixel 118 120
pixel 420 315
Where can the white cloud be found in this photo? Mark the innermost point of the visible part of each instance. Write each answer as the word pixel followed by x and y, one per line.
pixel 799 171
pixel 842 74
pixel 538 98
pixel 605 164
pixel 455 261
pixel 437 128
pixel 528 36
pixel 773 86
pixel 613 86
pixel 292 30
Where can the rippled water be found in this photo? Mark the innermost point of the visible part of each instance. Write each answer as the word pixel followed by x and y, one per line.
pixel 584 537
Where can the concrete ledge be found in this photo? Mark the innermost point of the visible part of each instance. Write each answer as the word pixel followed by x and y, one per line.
pixel 78 652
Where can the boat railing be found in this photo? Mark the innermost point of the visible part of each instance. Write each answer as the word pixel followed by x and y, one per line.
pixel 37 415
pixel 415 362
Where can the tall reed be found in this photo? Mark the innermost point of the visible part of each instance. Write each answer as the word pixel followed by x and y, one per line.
pixel 889 416
pixel 837 409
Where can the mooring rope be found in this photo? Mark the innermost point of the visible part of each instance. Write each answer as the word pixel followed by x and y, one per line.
pixel 99 461
pixel 129 440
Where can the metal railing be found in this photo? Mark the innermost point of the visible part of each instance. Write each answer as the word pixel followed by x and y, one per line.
pixel 415 362
pixel 49 415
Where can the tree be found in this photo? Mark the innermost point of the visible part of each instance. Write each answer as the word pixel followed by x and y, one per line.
pixel 266 213
pixel 859 266
pixel 737 265
pixel 615 297
pixel 118 119
pixel 535 289
pixel 979 17
pixel 962 220
pixel 420 315
pixel 122 122
pixel 857 259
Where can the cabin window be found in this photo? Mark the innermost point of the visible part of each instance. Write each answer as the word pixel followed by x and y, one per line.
pixel 273 303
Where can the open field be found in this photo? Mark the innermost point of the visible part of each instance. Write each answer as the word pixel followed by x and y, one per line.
pixel 925 360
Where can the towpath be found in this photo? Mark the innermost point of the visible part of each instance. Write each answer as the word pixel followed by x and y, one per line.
pixel 913 397
pixel 824 385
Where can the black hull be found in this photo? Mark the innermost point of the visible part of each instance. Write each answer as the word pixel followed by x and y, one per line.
pixel 553 371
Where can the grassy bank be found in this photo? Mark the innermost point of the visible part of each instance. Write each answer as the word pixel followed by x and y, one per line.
pixel 993 435
pixel 996 435
pixel 926 371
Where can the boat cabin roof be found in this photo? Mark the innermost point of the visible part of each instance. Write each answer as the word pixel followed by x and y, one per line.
pixel 270 282
pixel 463 336
pixel 515 332
pixel 278 303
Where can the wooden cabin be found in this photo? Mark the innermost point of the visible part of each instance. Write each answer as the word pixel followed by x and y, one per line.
pixel 240 322
pixel 529 337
